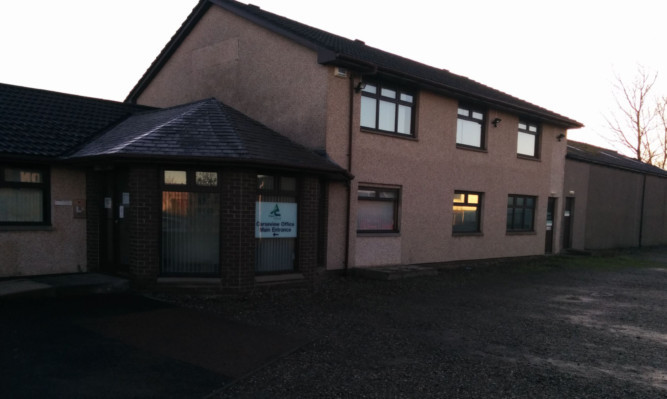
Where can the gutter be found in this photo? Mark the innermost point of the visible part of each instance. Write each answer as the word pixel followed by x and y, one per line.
pixel 328 57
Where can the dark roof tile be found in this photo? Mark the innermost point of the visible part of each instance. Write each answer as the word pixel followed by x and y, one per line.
pixel 42 123
pixel 602 156
pixel 206 129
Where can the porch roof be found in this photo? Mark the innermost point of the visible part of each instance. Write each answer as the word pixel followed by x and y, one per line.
pixel 204 130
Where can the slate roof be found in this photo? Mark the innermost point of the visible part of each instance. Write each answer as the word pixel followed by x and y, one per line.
pixel 45 124
pixel 204 130
pixel 601 156
pixel 337 50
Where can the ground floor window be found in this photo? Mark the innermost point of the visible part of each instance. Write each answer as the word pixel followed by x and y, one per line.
pixel 520 213
pixel 276 224
pixel 467 212
pixel 377 210
pixel 190 223
pixel 24 196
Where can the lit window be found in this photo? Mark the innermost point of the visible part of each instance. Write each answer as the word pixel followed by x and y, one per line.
pixel 175 177
pixel 469 128
pixel 520 213
pixel 467 212
pixel 24 196
pixel 387 109
pixel 528 140
pixel 377 210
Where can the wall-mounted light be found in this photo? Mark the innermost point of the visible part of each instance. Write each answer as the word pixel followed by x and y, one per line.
pixel 496 122
pixel 360 86
pixel 560 137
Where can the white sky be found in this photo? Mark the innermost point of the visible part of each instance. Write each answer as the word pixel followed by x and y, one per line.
pixel 561 55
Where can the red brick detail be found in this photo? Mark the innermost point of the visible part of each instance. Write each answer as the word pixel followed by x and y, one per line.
pixel 309 217
pixel 143 217
pixel 237 229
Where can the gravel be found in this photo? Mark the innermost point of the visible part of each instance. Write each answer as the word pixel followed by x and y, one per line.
pixel 539 330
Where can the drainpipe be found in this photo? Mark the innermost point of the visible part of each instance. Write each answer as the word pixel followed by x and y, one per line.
pixel 641 212
pixel 349 183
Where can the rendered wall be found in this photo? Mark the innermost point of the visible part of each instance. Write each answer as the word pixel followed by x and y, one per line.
pixel 60 248
pixel 608 207
pixel 265 76
pixel 431 168
pixel 577 176
pixel 654 231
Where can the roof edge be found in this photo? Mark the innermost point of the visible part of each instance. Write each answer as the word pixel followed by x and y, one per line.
pixel 172 45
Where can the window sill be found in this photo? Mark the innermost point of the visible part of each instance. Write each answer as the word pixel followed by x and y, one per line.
pixel 528 158
pixel 521 233
pixel 26 228
pixel 379 234
pixel 472 234
pixel 468 148
pixel 389 134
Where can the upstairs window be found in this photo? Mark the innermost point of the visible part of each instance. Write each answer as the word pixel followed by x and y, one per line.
pixel 470 128
pixel 528 140
pixel 387 109
pixel 467 212
pixel 24 196
pixel 377 210
pixel 520 213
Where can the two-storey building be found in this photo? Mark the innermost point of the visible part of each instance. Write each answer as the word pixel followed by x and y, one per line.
pixel 256 149
pixel 446 169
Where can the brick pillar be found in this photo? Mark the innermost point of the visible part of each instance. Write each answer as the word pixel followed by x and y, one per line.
pixel 144 215
pixel 309 204
pixel 323 230
pixel 93 219
pixel 238 197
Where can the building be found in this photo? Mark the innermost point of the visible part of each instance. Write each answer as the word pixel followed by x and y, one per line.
pixel 256 149
pixel 191 190
pixel 612 201
pixel 436 157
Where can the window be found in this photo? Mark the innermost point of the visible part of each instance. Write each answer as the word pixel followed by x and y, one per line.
pixel 466 211
pixel 387 109
pixel 520 213
pixel 377 210
pixel 24 196
pixel 528 140
pixel 276 224
pixel 190 242
pixel 470 128
pixel 189 178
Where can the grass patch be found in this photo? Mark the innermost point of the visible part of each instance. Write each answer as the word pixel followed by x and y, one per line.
pixel 601 262
pixel 548 264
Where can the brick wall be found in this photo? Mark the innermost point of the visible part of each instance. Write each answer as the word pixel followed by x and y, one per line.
pixel 308 226
pixel 239 193
pixel 144 215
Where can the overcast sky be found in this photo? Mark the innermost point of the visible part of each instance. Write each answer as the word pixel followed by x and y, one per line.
pixel 561 55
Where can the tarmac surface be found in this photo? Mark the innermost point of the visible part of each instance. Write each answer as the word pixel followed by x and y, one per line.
pixel 549 329
pixel 124 346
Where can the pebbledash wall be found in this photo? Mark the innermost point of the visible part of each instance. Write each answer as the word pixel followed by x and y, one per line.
pixel 59 247
pixel 280 83
pixel 238 195
pixel 615 208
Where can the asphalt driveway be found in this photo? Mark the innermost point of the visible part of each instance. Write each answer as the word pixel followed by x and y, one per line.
pixel 125 346
pixel 557 328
